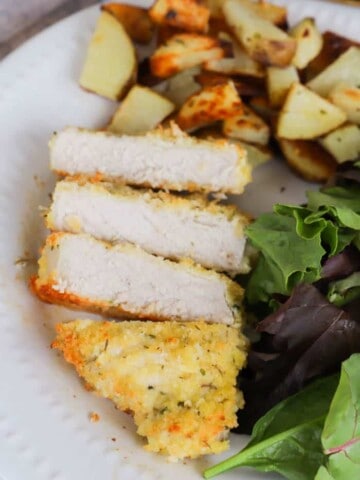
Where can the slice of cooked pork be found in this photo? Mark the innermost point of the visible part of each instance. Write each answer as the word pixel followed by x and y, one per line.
pixel 178 380
pixel 124 280
pixel 164 224
pixel 166 159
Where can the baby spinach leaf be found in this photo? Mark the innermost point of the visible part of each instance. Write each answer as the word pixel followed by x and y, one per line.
pixel 323 474
pixel 287 439
pixel 341 434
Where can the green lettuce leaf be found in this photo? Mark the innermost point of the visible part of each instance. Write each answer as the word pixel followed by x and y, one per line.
pixel 341 434
pixel 286 257
pixel 338 197
pixel 344 291
pixel 294 241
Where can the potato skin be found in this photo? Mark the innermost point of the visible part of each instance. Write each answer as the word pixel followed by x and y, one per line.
pixel 308 159
pixel 189 15
pixel 135 20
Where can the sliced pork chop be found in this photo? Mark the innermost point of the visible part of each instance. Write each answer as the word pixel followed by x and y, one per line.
pixel 164 224
pixel 124 280
pixel 178 380
pixel 167 159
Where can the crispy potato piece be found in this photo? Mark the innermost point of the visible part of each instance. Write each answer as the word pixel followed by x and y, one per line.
pixel 218 25
pixel 145 76
pixel 256 154
pixel 135 20
pixel 239 64
pixel 334 45
pixel 346 69
pixel 308 159
pixel 141 110
pixel 276 14
pixel 343 143
pixel 243 87
pixel 264 42
pixel 215 8
pixel 348 99
pixel 279 81
pixel 208 106
pixel 189 15
pixel 247 126
pixel 165 32
pixel 306 115
pixel 262 107
pixel 208 79
pixel 184 51
pixel 181 86
pixel 110 65
pixel 309 42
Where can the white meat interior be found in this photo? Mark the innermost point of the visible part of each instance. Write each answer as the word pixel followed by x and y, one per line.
pixel 174 230
pixel 160 162
pixel 126 275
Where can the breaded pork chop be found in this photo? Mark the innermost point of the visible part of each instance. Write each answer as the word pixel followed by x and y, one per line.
pixel 123 280
pixel 161 223
pixel 178 380
pixel 167 159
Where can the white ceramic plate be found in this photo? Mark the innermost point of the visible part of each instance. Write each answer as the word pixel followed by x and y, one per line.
pixel 45 432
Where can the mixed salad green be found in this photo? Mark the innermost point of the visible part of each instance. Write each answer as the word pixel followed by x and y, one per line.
pixel 312 434
pixel 305 289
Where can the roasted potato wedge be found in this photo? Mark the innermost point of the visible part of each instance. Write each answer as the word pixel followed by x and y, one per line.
pixel 257 154
pixel 110 64
pixel 309 42
pixel 345 68
pixel 348 99
pixel 145 76
pixel 165 32
pixel 140 111
pixel 343 143
pixel 306 115
pixel 261 106
pixel 239 64
pixel 247 126
pixel 279 81
pixel 334 45
pixel 209 79
pixel 181 86
pixel 308 159
pixel 275 14
pixel 264 42
pixel 184 51
pixel 208 106
pixel 218 25
pixel 243 87
pixel 215 8
pixel 135 20
pixel 189 15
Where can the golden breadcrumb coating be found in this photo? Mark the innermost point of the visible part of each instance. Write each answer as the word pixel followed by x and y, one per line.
pixel 178 380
